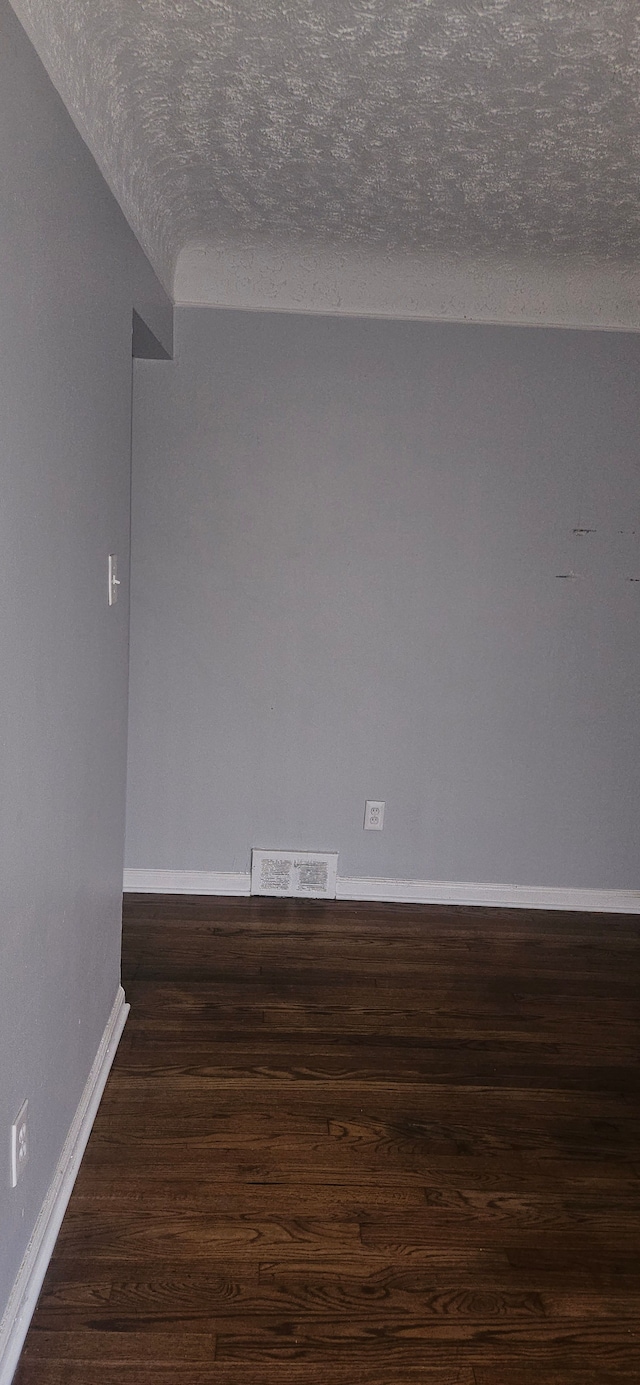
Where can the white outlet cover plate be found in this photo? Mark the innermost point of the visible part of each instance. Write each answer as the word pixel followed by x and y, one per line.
pixel 373 815
pixel 19 1146
pixel 294 874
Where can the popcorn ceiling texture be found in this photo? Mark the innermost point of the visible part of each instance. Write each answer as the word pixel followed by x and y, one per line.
pixel 465 126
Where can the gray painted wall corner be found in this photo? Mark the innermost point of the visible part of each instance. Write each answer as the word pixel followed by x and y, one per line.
pixel 70 273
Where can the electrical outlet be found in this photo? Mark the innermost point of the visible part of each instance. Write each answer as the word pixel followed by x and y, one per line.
pixel 19 1144
pixel 373 816
pixel 114 580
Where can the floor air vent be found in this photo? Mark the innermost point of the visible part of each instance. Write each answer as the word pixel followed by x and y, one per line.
pixel 303 874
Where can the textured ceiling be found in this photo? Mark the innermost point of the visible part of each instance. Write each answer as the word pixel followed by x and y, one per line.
pixel 460 125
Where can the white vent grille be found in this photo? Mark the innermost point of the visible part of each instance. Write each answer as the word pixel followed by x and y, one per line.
pixel 303 874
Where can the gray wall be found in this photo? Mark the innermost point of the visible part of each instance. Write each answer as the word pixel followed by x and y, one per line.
pixel 347 539
pixel 70 272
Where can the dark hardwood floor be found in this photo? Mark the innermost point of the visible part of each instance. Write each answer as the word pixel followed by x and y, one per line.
pixel 350 1144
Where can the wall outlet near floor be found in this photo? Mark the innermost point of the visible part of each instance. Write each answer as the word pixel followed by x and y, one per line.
pixel 19 1144
pixel 373 815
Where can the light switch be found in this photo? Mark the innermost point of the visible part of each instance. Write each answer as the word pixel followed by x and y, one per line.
pixel 114 581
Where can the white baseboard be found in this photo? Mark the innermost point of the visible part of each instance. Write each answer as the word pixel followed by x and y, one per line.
pixel 186 882
pixel 494 896
pixel 399 891
pixel 24 1295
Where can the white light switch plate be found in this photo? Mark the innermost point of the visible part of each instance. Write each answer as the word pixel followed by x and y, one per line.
pixel 114 581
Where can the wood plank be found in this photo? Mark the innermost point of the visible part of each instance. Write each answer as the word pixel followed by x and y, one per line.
pixel 552 1375
pixel 168 1295
pixel 122 1348
pixel 196 1235
pixel 80 1372
pixel 438 1342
